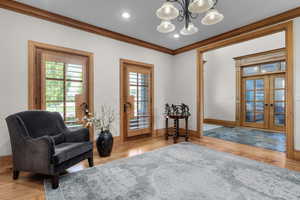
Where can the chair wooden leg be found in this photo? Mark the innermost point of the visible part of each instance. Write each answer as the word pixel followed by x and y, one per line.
pixel 16 174
pixel 55 181
pixel 91 161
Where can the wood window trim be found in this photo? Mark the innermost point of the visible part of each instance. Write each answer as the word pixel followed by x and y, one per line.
pixel 32 79
pixel 123 63
pixel 288 28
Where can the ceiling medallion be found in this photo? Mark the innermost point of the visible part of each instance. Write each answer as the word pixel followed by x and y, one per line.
pixel 189 9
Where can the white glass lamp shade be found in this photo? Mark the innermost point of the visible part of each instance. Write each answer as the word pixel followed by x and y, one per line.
pixel 201 6
pixel 190 30
pixel 167 11
pixel 212 17
pixel 165 27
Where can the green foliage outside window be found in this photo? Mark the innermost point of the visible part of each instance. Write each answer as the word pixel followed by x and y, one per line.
pixel 63 82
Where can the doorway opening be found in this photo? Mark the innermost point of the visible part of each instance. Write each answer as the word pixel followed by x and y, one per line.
pixel 261 95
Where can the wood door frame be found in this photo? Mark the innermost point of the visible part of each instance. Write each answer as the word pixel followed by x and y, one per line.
pixel 123 63
pixel 32 79
pixel 287 27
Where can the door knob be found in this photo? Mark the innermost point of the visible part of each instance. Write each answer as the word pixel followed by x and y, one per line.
pixel 126 105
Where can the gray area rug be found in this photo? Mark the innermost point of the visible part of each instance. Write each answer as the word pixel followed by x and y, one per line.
pixel 254 137
pixel 183 171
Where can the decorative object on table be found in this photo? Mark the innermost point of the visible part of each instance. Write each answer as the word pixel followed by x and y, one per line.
pixel 42 143
pixel 103 122
pixel 189 9
pixel 177 112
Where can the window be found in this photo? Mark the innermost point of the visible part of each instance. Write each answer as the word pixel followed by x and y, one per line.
pixel 63 82
pixel 264 68
pixel 60 80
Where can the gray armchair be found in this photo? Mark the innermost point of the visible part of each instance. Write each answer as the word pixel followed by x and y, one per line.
pixel 41 143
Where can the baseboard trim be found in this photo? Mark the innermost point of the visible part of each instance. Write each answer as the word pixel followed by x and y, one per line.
pixel 159 132
pixel 296 155
pixel 219 122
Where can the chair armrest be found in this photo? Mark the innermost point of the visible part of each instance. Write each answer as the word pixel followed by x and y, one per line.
pixel 43 144
pixel 77 135
pixel 36 155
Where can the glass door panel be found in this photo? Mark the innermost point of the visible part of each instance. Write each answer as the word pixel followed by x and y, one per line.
pixel 138 106
pixel 278 102
pixel 254 102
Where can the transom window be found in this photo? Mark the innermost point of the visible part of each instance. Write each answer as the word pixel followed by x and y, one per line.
pixel 264 68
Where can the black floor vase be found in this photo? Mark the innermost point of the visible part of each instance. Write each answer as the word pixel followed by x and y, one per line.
pixel 105 142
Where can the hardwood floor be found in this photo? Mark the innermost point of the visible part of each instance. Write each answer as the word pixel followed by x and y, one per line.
pixel 30 186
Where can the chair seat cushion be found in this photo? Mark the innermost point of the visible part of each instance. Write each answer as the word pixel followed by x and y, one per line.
pixel 67 151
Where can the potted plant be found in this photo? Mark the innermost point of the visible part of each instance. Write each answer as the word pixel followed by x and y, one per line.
pixel 103 121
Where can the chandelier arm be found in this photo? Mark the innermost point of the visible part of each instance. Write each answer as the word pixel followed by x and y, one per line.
pixel 195 16
pixel 184 13
pixel 187 13
pixel 180 18
pixel 215 4
pixel 179 2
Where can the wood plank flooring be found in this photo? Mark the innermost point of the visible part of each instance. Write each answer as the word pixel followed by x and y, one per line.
pixel 30 186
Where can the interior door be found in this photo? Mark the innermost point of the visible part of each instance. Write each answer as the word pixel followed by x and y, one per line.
pixel 138 100
pixel 277 102
pixel 255 102
pixel 264 102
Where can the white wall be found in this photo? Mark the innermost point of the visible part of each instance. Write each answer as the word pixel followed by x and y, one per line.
pixel 297 82
pixel 220 75
pixel 17 29
pixel 184 83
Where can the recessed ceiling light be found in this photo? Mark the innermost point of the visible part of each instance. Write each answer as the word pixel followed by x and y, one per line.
pixel 126 15
pixel 176 35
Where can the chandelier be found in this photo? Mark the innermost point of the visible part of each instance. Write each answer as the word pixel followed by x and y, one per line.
pixel 189 9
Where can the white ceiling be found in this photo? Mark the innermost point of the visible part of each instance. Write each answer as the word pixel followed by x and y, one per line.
pixel 142 25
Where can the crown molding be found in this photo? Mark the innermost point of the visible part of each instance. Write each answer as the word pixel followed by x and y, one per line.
pixel 53 17
pixel 282 17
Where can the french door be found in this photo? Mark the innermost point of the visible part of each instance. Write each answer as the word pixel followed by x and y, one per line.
pixel 137 100
pixel 264 102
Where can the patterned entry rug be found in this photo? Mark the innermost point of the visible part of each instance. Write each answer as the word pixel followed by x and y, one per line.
pixel 254 137
pixel 182 171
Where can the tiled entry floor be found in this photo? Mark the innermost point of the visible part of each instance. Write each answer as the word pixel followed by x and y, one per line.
pixel 264 139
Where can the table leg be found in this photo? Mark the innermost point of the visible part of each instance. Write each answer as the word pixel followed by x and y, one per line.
pixel 167 129
pixel 186 129
pixel 176 129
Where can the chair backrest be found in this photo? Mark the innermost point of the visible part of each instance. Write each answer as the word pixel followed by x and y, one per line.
pixel 41 123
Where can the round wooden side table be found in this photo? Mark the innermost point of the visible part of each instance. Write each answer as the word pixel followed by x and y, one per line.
pixel 176 134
